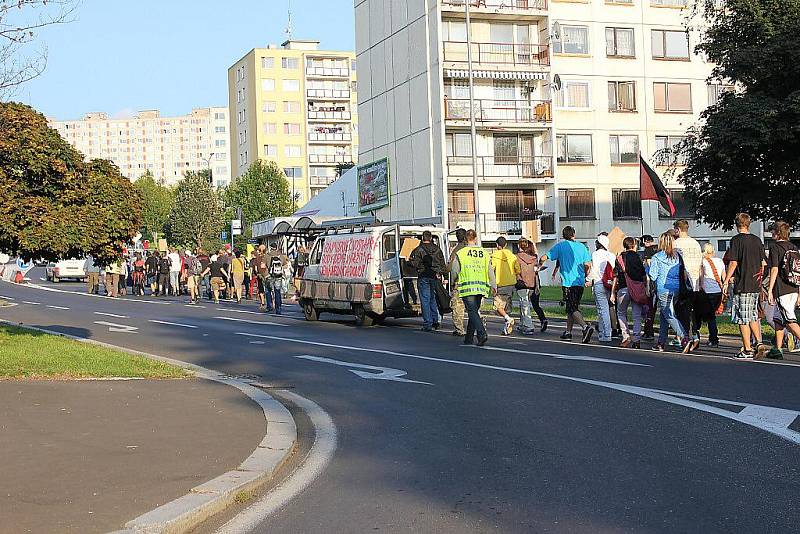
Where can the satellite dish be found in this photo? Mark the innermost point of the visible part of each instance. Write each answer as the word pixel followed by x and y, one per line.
pixel 556 31
pixel 556 85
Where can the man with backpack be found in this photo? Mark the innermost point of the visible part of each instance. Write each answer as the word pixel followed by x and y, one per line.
pixel 164 268
pixel 151 268
pixel 630 287
pixel 428 261
pixel 276 263
pixel 784 280
pixel 193 271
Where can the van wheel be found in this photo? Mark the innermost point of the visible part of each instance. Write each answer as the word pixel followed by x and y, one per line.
pixel 309 311
pixel 362 319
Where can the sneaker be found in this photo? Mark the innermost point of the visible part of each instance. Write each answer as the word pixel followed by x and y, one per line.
pixel 625 343
pixel 456 333
pixel 482 341
pixel 587 334
pixel 658 348
pixel 528 332
pixel 509 328
pixel 694 344
pixel 544 326
pixel 436 326
pixel 566 336
pixel 744 355
pixel 712 344
pixel 775 354
pixel 675 342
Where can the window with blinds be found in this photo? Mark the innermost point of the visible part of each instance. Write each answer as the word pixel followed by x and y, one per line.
pixel 576 203
pixel 622 96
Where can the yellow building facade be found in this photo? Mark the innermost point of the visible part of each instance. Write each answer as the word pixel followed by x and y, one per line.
pixel 294 105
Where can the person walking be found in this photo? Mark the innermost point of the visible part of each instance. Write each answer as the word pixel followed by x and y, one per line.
pixel 506 272
pixel 138 275
pixel 122 280
pixel 649 249
pixel 574 262
pixel 784 279
pixel 237 274
pixel 529 287
pixel 194 269
pixel 218 273
pixel 164 266
pixel 630 288
pixel 600 274
pixel 691 309
pixel 174 272
pixel 261 272
pixel 112 278
pixel 428 262
pixel 276 262
pixel 745 268
pixel 665 269
pixel 709 302
pixel 476 280
pixel 456 304
pixel 92 275
pixel 151 268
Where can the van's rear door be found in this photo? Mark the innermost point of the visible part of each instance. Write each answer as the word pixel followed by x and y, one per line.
pixel 391 277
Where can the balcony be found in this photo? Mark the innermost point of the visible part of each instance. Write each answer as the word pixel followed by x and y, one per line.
pixel 506 223
pixel 328 72
pixel 322 181
pixel 508 54
pixel 512 7
pixel 500 111
pixel 330 159
pixel 502 168
pixel 338 94
pixel 319 115
pixel 335 137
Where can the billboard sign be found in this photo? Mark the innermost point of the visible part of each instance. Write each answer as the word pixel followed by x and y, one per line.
pixel 373 185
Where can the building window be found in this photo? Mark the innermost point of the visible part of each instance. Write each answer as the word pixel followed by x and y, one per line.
pixel 576 203
pixel 219 143
pixel 670 44
pixel 267 84
pixel 574 148
pixel 219 116
pixel 715 92
pixel 219 129
pixel 291 106
pixel 669 3
pixel 574 94
pixel 267 62
pixel 572 40
pixel 220 156
pixel 353 65
pixel 683 208
pixel 620 42
pixel 458 145
pixel 270 128
pixel 461 201
pixel 506 149
pixel 514 204
pixel 624 148
pixel 269 106
pixel 621 96
pixel 293 151
pixel 290 63
pixel 668 149
pixel 291 128
pixel 626 204
pixel 676 97
pixel 293 172
pixel 270 151
pixel 291 85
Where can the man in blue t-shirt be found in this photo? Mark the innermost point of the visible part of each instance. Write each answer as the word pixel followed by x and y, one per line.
pixel 574 262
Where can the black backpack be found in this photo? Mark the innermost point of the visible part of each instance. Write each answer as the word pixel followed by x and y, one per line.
pixel 276 267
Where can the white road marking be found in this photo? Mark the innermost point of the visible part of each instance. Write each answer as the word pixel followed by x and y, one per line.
pixel 240 311
pixel 58 307
pixel 111 315
pixel 565 356
pixel 171 324
pixel 767 418
pixel 385 373
pixel 7 298
pixel 257 343
pixel 31 303
pixel 84 294
pixel 194 306
pixel 312 466
pixel 248 321
pixel 114 327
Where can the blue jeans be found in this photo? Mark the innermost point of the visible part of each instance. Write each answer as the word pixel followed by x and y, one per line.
pixel 273 294
pixel 666 304
pixel 472 303
pixel 603 311
pixel 427 299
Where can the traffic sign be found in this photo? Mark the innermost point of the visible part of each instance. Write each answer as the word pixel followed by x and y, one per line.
pixel 223 236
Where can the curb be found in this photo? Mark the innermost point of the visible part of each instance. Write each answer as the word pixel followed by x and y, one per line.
pixel 209 498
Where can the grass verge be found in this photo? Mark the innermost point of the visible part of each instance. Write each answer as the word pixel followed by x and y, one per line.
pixel 30 354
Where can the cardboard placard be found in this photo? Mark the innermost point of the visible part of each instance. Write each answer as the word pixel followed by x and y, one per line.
pixel 409 244
pixel 530 230
pixel 615 238
pixel 162 245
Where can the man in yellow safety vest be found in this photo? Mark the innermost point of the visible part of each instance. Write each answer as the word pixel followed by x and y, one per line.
pixel 476 280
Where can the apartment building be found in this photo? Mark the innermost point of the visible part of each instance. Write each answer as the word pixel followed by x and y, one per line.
pixel 295 105
pixel 562 153
pixel 165 146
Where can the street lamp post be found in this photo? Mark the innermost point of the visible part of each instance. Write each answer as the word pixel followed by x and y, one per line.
pixel 473 135
pixel 208 165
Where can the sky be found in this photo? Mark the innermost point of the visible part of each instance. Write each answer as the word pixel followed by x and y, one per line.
pixel 120 56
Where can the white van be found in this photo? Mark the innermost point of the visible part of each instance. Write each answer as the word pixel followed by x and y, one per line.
pixel 57 271
pixel 359 271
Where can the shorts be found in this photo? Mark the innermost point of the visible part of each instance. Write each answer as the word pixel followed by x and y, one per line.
pixel 785 310
pixel 191 281
pixel 263 283
pixel 217 283
pixel 502 301
pixel 745 308
pixel 572 298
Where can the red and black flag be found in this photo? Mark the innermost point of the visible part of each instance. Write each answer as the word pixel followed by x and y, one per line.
pixel 651 188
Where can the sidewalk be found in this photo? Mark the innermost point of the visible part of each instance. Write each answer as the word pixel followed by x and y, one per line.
pixel 88 456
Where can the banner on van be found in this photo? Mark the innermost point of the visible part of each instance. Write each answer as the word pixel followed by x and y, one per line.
pixel 373 185
pixel 347 257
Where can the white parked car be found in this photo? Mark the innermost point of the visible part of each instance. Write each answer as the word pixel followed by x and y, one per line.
pixel 66 269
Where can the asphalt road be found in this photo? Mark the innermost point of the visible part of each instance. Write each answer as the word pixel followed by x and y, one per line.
pixel 527 435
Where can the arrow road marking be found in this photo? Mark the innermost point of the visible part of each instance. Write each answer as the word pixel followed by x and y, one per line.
pixel 114 327
pixel 386 373
pixel 111 315
pixel 171 324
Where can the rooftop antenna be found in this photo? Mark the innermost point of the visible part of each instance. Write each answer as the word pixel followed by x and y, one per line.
pixel 289 28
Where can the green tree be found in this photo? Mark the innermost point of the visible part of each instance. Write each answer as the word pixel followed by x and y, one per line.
pixel 262 192
pixel 196 216
pixel 157 201
pixel 53 204
pixel 745 156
